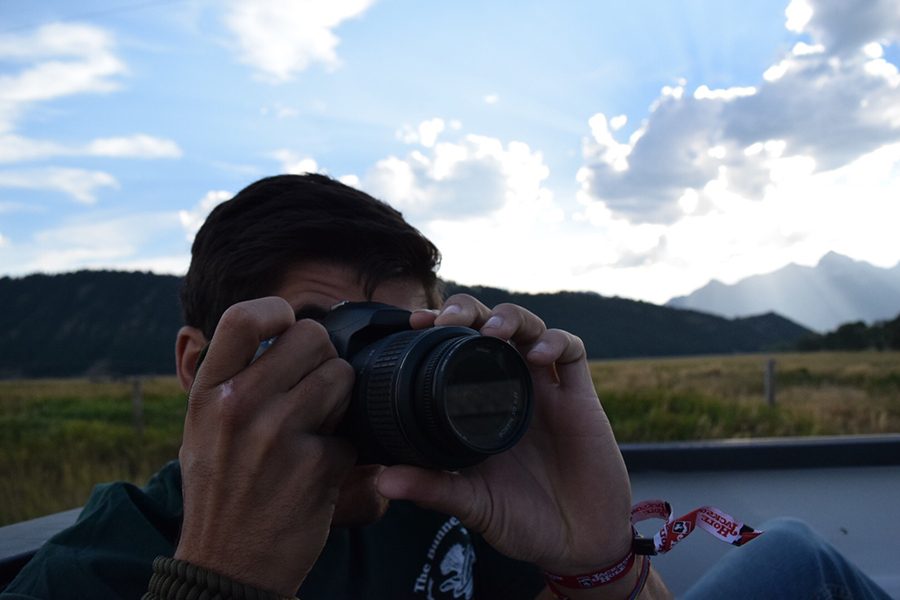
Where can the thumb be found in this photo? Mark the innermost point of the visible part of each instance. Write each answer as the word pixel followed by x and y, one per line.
pixel 443 491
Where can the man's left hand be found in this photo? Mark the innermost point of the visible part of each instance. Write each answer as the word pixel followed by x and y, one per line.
pixel 561 497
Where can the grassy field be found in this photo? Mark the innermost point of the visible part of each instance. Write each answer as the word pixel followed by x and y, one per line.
pixel 723 396
pixel 60 437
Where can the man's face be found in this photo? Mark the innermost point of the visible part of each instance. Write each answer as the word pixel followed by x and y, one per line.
pixel 312 289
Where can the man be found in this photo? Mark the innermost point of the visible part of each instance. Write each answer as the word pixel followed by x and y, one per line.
pixel 266 500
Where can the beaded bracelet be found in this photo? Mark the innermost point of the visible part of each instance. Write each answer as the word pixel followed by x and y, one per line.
pixel 178 579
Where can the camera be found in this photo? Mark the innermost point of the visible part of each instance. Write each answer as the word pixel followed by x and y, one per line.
pixel 444 397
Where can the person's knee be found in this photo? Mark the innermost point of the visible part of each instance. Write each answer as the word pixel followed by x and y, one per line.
pixel 789 540
pixel 788 530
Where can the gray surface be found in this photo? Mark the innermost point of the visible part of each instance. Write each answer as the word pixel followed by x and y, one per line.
pixel 19 538
pixel 856 509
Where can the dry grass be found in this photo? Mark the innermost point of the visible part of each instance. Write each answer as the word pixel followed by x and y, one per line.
pixel 58 438
pixel 723 396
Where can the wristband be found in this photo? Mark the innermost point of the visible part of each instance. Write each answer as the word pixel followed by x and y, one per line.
pixel 721 525
pixel 603 576
pixel 554 580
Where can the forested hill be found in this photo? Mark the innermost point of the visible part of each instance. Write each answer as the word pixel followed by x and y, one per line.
pixel 619 328
pixel 122 323
pixel 88 323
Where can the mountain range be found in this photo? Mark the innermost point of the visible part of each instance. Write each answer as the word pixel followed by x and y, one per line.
pixel 837 290
pixel 121 323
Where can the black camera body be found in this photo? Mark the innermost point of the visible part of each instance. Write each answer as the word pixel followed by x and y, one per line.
pixel 443 397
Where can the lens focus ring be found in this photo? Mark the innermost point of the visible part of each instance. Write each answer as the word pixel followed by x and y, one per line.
pixel 379 398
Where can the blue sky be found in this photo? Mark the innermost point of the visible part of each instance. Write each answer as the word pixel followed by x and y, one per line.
pixel 637 149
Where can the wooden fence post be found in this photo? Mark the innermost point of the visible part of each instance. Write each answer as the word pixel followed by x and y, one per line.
pixel 770 382
pixel 137 405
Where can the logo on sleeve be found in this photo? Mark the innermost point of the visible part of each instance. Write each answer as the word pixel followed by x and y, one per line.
pixel 448 569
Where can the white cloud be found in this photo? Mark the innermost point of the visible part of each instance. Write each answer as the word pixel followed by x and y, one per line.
pixel 15 148
pixel 351 180
pixel 280 38
pixel 61 59
pixel 607 149
pixel 425 133
pixel 797 14
pixel 618 122
pixel 114 242
pixel 82 185
pixel 471 176
pixel 295 164
pixel 704 93
pixel 825 111
pixel 192 220
pixel 873 50
pixel 491 99
pixel 134 146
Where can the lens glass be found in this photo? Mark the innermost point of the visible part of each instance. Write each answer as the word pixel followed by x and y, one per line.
pixel 485 392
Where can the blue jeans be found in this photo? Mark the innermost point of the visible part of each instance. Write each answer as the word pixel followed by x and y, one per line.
pixel 789 560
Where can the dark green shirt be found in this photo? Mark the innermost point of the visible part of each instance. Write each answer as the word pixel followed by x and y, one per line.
pixel 410 553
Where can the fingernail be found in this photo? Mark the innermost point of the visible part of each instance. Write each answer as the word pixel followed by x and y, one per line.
pixel 540 348
pixel 451 309
pixel 495 321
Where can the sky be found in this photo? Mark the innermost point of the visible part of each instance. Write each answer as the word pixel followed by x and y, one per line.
pixel 633 149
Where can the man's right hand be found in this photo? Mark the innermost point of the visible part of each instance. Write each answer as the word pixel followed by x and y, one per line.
pixel 260 470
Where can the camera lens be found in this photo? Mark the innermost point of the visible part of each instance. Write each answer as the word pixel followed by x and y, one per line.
pixel 444 398
pixel 479 391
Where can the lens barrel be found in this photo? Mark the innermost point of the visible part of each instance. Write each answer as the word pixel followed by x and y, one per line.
pixel 445 397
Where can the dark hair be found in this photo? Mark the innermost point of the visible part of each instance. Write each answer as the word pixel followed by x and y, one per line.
pixel 248 243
